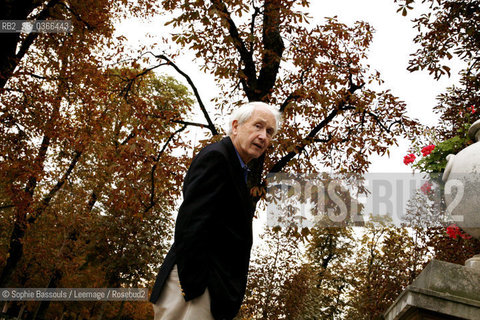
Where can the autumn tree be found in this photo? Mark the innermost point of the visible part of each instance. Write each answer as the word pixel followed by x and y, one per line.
pixel 316 74
pixel 10 57
pixel 49 101
pixel 447 35
pixel 380 271
pixel 88 176
pixel 115 212
pixel 334 114
pixel 273 264
pixel 328 253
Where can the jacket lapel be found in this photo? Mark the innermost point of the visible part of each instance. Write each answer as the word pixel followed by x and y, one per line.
pixel 237 173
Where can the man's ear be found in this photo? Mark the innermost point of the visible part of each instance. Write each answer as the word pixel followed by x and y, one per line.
pixel 234 127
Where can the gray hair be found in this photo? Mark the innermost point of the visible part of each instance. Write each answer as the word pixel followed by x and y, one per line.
pixel 245 111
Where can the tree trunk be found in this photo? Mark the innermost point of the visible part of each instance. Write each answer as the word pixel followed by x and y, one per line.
pixel 43 306
pixel 17 10
pixel 15 250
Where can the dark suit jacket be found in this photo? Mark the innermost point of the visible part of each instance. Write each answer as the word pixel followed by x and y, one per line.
pixel 213 232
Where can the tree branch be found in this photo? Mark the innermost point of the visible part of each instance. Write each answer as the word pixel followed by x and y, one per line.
pixel 154 168
pixel 125 141
pixel 273 47
pixel 39 160
pixel 277 167
pixel 32 36
pixel 8 206
pixel 46 200
pixel 330 137
pixel 256 11
pixel 130 81
pixel 188 123
pixel 291 97
pixel 92 201
pixel 210 125
pixel 246 56
pixel 10 58
pixel 79 18
pixel 298 149
pixel 380 123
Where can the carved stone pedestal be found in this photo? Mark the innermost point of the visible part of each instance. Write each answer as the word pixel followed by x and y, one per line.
pixel 442 291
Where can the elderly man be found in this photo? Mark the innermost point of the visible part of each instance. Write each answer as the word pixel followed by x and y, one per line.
pixel 204 275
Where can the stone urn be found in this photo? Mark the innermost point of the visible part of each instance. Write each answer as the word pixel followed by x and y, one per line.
pixel 462 188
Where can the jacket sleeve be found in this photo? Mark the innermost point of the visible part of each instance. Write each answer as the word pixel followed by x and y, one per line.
pixel 202 191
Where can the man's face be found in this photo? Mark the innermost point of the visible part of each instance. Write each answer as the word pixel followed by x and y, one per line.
pixel 252 137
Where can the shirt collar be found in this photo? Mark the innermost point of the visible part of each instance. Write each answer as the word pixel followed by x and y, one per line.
pixel 242 164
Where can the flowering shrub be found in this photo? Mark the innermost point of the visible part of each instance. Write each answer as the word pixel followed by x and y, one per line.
pixel 454 232
pixel 434 161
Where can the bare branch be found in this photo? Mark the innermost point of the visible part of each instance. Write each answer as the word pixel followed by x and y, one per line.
pixel 210 125
pixel 42 77
pixel 188 123
pixel 46 200
pixel 8 206
pixel 380 123
pixel 168 141
pixel 154 167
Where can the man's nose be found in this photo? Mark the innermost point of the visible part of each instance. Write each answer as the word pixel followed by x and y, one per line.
pixel 263 134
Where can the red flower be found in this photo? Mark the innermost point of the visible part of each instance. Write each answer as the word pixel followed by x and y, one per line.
pixel 427 150
pixel 472 108
pixel 427 187
pixel 409 158
pixel 454 232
